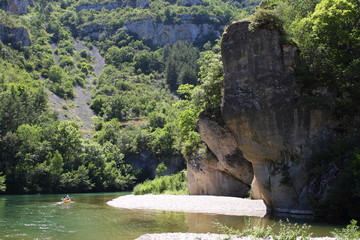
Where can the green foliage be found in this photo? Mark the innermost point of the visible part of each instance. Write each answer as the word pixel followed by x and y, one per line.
pixel 345 193
pixel 248 230
pixel 331 43
pixel 208 94
pixel 56 74
pixel 56 164
pixel 351 231
pixel 9 20
pixel 264 18
pixel 162 143
pixel 173 184
pixel 147 62
pixel 205 97
pixel 179 64
pixel 23 101
pixel 294 231
pixel 77 180
pixel 328 38
pixel 161 169
pixel 287 231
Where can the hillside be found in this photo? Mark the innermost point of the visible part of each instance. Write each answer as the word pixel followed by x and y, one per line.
pixel 97 93
pixel 89 88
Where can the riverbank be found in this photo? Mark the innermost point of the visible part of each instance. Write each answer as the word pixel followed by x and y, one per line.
pixel 205 236
pixel 194 203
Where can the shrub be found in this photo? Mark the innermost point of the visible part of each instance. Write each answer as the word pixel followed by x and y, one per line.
pixel 352 231
pixel 293 231
pixel 286 232
pixel 264 18
pixel 173 184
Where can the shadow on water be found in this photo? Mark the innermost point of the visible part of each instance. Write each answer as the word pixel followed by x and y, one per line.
pixel 89 217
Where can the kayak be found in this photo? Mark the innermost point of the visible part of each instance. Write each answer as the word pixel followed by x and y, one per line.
pixel 66 200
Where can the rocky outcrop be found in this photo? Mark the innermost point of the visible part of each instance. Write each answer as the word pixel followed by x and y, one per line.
pixel 147 163
pixel 188 28
pixel 18 37
pixel 112 5
pixel 206 177
pixel 262 107
pixel 162 34
pixel 16 6
pixel 222 169
pixel 95 30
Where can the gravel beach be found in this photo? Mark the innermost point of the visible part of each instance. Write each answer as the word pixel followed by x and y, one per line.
pixel 205 236
pixel 194 203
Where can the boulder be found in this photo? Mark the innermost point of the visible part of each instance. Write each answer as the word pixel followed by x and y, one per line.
pixel 205 177
pixel 221 168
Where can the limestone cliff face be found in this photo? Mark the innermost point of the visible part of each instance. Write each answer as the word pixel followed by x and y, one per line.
pixel 18 37
pixel 113 5
pixel 15 6
pixel 269 132
pixel 262 107
pixel 222 169
pixel 162 34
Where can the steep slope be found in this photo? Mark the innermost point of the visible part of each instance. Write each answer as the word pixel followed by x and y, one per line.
pixel 78 109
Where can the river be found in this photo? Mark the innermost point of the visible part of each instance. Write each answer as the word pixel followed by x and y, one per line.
pixel 89 217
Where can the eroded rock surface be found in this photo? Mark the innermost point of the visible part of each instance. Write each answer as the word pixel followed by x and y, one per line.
pixel 262 107
pixel 162 34
pixel 113 5
pixel 206 176
pixel 222 170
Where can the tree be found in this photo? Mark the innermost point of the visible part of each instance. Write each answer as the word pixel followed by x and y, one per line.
pixel 56 164
pixel 147 61
pixel 181 64
pixel 76 180
pixel 116 56
pixel 330 43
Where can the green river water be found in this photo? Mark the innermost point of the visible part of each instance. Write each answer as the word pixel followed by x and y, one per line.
pixel 89 217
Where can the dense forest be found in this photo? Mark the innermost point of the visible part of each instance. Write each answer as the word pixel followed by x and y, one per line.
pixel 148 97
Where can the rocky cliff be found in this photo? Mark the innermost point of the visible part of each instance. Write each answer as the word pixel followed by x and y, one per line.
pixel 113 5
pixel 266 121
pixel 222 169
pixel 162 34
pixel 16 6
pixel 18 37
